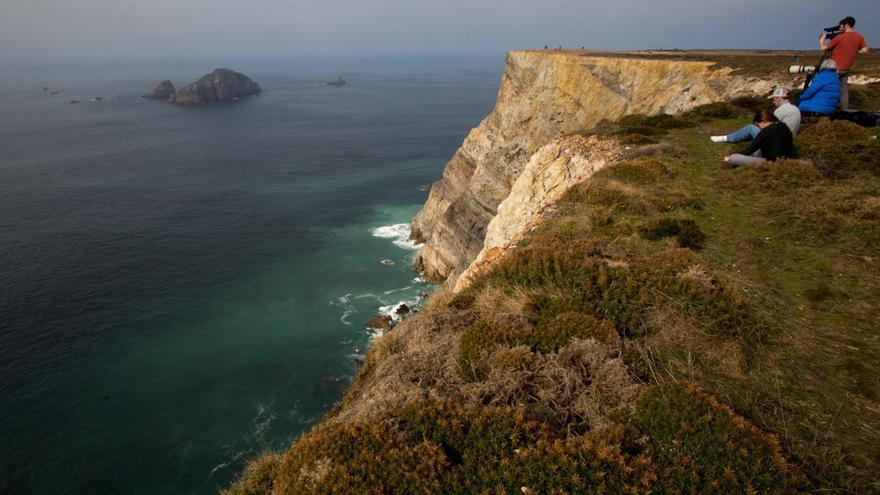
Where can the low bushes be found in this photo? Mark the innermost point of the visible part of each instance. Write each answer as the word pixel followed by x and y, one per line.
pixel 701 446
pixel 685 230
pixel 841 145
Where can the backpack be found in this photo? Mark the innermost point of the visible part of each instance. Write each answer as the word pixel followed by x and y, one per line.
pixel 864 119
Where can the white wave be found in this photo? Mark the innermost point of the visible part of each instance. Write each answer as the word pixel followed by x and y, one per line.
pixel 398 290
pixel 349 310
pixel 265 416
pixel 399 233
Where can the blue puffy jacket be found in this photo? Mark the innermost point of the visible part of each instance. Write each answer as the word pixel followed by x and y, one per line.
pixel 822 95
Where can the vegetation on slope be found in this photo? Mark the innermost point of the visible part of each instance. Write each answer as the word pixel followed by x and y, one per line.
pixel 674 327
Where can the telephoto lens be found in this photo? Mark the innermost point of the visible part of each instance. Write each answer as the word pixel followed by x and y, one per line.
pixel 801 69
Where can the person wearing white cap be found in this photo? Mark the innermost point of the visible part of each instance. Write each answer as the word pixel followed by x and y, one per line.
pixel 785 112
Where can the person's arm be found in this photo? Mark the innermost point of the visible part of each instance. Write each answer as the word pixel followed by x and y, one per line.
pixel 756 144
pixel 864 47
pixel 831 44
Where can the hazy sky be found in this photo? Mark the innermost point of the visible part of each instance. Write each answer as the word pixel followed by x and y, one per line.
pixel 101 29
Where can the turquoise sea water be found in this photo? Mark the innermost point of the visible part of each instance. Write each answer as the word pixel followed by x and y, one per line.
pixel 184 287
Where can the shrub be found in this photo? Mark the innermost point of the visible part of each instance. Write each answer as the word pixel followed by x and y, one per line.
pixel 841 145
pixel 481 339
pixel 257 477
pixel 369 458
pixel 751 103
pixel 674 201
pixel 660 122
pixel 717 110
pixel 701 446
pixel 443 448
pixel 565 278
pixel 685 230
pixel 554 332
pixel 644 171
pixel 604 193
pixel 782 175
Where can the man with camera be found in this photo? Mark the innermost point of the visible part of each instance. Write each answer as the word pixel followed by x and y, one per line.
pixel 844 44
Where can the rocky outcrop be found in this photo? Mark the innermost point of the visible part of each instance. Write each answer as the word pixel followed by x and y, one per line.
pixel 548 175
pixel 222 85
pixel 161 91
pixel 545 95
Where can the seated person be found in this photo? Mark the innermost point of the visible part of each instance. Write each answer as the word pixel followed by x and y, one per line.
pixel 785 112
pixel 774 141
pixel 823 93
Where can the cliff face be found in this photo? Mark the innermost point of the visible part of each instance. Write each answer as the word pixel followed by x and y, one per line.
pixel 551 171
pixel 544 96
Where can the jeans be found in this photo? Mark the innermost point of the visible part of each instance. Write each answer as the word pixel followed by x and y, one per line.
pixel 747 133
pixel 736 159
pixel 844 90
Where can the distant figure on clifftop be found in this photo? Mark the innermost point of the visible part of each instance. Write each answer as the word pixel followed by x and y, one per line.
pixel 774 141
pixel 785 112
pixel 823 93
pixel 844 47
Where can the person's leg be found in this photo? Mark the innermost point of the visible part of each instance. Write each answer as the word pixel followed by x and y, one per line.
pixel 746 133
pixel 844 90
pixel 737 160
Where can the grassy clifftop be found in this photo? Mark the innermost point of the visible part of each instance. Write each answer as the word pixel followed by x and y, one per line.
pixel 754 63
pixel 673 327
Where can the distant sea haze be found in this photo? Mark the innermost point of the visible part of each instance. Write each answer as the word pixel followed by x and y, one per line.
pixel 185 287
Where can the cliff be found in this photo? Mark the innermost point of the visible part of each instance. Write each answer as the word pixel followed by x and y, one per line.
pixel 222 85
pixel 544 95
pixel 638 319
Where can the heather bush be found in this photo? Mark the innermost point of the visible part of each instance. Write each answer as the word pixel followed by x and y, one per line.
pixel 701 446
pixel 841 146
pixel 685 230
pixel 644 171
pixel 257 477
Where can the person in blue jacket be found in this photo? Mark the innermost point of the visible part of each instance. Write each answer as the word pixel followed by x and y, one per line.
pixel 823 93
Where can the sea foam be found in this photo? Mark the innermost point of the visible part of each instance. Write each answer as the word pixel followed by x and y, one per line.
pixel 398 233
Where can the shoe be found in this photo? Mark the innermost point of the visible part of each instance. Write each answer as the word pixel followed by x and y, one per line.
pixel 719 139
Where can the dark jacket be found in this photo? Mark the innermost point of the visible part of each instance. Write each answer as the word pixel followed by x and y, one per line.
pixel 822 94
pixel 774 141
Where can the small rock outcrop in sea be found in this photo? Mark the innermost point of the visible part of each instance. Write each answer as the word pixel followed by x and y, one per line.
pixel 222 85
pixel 381 323
pixel 161 91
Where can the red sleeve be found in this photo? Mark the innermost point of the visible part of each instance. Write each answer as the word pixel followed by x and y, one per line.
pixel 863 45
pixel 833 43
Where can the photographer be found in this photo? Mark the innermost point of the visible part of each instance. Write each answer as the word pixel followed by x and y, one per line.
pixel 823 93
pixel 843 48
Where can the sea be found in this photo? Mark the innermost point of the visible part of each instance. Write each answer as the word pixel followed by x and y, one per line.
pixel 182 288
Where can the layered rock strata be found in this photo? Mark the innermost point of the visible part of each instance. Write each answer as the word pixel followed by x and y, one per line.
pixel 544 96
pixel 546 178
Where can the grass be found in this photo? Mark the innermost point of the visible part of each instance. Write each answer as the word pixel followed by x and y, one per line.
pixel 673 327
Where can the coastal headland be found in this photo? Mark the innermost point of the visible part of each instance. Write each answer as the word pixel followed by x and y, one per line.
pixel 620 314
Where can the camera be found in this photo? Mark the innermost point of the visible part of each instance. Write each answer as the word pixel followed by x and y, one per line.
pixel 832 32
pixel 801 69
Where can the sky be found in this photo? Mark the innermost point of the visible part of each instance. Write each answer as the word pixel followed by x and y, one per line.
pixel 153 29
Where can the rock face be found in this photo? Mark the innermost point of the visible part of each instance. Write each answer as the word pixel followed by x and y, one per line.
pixel 551 171
pixel 543 96
pixel 161 91
pixel 222 85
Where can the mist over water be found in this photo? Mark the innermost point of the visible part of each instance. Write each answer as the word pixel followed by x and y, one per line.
pixel 181 288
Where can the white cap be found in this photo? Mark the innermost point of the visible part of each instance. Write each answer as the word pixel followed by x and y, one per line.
pixel 779 93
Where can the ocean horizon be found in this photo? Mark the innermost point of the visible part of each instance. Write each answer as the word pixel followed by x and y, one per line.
pixel 185 287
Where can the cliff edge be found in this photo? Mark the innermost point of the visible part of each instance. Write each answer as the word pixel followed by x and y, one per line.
pixel 545 95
